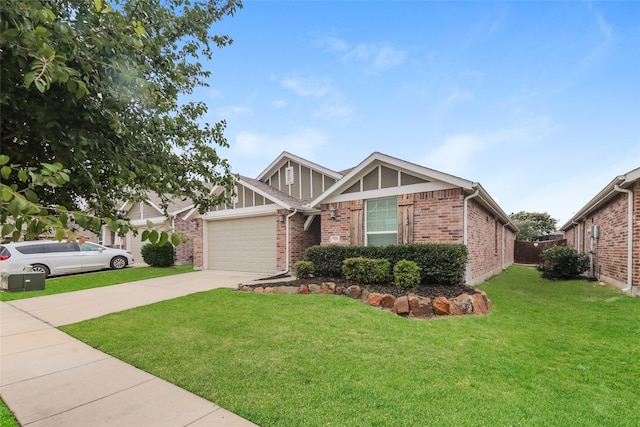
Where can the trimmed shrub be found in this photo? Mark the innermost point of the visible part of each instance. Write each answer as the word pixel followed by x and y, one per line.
pixel 159 256
pixel 442 264
pixel 562 262
pixel 303 269
pixel 366 270
pixel 406 274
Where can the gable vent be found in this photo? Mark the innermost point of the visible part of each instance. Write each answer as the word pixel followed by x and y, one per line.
pixel 288 173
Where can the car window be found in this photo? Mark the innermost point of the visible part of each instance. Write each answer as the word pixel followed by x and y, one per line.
pixel 88 247
pixel 4 251
pixel 62 247
pixel 31 249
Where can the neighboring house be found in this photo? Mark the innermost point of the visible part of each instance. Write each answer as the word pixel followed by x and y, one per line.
pixel 141 212
pixel 608 230
pixel 295 204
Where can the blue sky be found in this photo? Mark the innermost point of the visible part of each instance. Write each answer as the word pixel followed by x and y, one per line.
pixel 537 101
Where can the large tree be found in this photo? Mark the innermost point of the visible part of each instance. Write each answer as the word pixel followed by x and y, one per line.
pixel 100 89
pixel 533 225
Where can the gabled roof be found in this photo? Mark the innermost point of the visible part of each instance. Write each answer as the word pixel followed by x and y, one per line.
pixel 175 207
pixel 380 158
pixel 285 156
pixel 273 194
pixel 603 196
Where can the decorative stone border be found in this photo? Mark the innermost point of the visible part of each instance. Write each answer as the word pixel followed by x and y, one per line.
pixel 411 305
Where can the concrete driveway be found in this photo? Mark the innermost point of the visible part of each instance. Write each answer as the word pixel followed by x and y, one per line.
pixel 48 378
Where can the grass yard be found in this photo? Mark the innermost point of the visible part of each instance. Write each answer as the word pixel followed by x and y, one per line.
pixel 77 282
pixel 6 417
pixel 550 354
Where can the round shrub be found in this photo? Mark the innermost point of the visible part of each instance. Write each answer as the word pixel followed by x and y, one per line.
pixel 562 262
pixel 406 274
pixel 159 256
pixel 303 269
pixel 366 270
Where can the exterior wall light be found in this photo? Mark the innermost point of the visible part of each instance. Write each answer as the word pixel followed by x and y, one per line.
pixel 332 213
pixel 280 217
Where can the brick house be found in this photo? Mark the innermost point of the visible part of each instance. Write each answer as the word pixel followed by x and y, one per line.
pixel 151 210
pixel 608 229
pixel 295 203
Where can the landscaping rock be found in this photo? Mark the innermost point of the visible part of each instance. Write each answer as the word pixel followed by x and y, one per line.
pixel 420 306
pixel 248 289
pixel 441 306
pixel 259 290
pixel 463 301
pixel 269 290
pixel 479 304
pixel 289 290
pixel 340 290
pixel 240 286
pixel 365 295
pixel 454 309
pixel 374 299
pixel 353 291
pixel 328 288
pixel 401 306
pixel 387 301
pixel 304 289
pixel 315 289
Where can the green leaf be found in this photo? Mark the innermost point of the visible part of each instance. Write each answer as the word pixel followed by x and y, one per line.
pixel 22 175
pixel 98 5
pixel 145 235
pixel 7 194
pixel 113 226
pixel 175 239
pixel 153 236
pixel 95 223
pixel 164 237
pixel 5 172
pixel 149 224
pixel 31 196
pixel 4 159
pixel 64 218
pixel 7 229
pixel 60 232
pixel 15 206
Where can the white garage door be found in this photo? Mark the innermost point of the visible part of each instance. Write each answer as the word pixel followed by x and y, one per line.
pixel 135 244
pixel 244 244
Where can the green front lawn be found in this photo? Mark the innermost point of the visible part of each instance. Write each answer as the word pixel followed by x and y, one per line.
pixel 6 417
pixel 550 353
pixel 77 282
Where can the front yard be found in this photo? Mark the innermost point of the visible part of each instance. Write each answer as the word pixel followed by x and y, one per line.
pixel 549 353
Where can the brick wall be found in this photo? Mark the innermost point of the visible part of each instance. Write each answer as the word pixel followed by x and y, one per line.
pixel 198 237
pixel 299 240
pixel 610 249
pixel 184 251
pixel 438 217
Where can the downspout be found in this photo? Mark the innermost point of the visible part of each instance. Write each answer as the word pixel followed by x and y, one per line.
pixel 287 255
pixel 465 220
pixel 629 288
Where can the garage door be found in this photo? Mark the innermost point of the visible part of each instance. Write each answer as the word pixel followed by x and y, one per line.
pixel 244 244
pixel 135 244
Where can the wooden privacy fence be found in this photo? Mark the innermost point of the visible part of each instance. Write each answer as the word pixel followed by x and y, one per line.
pixel 529 252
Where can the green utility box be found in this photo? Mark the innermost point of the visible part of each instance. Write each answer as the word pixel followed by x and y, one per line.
pixel 27 281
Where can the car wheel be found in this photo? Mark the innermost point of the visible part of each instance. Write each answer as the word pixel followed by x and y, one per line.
pixel 39 268
pixel 118 262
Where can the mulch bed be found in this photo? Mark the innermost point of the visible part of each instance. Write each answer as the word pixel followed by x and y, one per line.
pixel 430 291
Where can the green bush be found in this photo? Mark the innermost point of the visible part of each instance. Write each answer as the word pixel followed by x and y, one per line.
pixel 303 269
pixel 406 274
pixel 562 262
pixel 366 270
pixel 442 264
pixel 159 256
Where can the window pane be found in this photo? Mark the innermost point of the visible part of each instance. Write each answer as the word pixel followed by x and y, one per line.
pixel 61 247
pixel 382 239
pixel 382 215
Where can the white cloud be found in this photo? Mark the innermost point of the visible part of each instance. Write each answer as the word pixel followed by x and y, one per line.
pixel 376 56
pixel 333 44
pixel 305 142
pixel 279 103
pixel 308 86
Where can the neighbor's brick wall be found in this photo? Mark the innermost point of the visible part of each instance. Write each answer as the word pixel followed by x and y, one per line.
pixel 611 247
pixel 198 237
pixel 484 241
pixel 299 240
pixel 184 251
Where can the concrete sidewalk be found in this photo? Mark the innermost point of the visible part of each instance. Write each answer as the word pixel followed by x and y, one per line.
pixel 48 378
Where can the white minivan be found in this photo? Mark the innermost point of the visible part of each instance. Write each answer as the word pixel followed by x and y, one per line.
pixel 54 258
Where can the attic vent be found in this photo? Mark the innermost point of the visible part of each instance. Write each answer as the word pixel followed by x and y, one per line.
pixel 288 175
